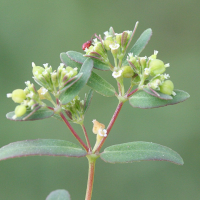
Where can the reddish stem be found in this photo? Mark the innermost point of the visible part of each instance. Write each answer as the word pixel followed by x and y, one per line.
pixel 86 137
pixel 50 108
pixel 74 132
pixel 131 93
pixel 112 121
pixel 90 180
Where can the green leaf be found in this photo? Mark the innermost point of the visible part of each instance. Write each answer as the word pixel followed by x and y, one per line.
pixel 31 115
pixel 95 81
pixel 79 58
pixel 157 94
pixel 142 99
pixel 140 151
pixel 88 100
pixel 59 195
pixel 69 84
pixel 71 92
pixel 140 44
pixel 68 62
pixel 41 147
pixel 100 85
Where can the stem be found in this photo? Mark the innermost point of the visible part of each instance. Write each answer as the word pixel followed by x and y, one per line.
pixel 86 137
pixel 91 160
pixel 134 91
pixel 112 121
pixel 74 132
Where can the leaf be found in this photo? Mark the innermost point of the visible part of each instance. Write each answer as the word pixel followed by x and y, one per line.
pixel 157 94
pixel 59 195
pixel 41 147
pixel 140 151
pixel 88 100
pixel 71 92
pixel 95 81
pixel 100 85
pixel 68 62
pixel 39 114
pixel 142 99
pixel 69 84
pixel 140 44
pixel 79 58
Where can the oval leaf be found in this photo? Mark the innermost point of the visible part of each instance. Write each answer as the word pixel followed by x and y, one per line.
pixel 140 151
pixel 144 100
pixel 79 58
pixel 59 195
pixel 100 85
pixel 41 147
pixel 140 44
pixel 88 100
pixel 96 82
pixel 68 62
pixel 71 92
pixel 30 115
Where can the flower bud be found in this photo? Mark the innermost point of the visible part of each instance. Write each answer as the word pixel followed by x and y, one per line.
pixel 114 49
pixel 156 67
pixel 154 56
pixel 107 42
pixel 167 87
pixel 44 94
pixel 37 70
pixel 18 95
pixel 118 38
pixel 19 111
pixel 127 71
pixel 98 48
pixel 155 84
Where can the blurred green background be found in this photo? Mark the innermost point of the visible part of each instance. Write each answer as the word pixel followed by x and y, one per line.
pixel 39 31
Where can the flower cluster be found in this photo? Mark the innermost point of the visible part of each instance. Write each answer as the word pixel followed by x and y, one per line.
pixel 51 80
pixel 150 73
pixel 75 110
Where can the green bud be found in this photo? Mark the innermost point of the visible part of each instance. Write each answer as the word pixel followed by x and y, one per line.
pixel 167 87
pixel 118 38
pixel 20 110
pixel 18 95
pixel 156 67
pixel 127 71
pixel 37 71
pixel 99 49
pixel 107 43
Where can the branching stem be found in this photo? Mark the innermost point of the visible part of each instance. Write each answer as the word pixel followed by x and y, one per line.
pixel 74 132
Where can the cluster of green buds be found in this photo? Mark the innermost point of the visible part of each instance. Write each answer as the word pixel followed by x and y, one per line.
pixel 29 99
pixel 114 42
pixel 55 80
pixel 75 110
pixel 150 73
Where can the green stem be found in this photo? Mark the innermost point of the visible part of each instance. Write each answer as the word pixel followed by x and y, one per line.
pixel 91 160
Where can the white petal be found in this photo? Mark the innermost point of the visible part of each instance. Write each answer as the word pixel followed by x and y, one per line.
pixel 9 95
pixel 155 52
pixel 33 64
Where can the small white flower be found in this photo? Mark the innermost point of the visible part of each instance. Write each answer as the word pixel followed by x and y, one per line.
pixel 166 76
pixel 114 46
pixel 106 33
pixel 45 65
pixel 27 83
pixel 116 74
pixel 146 71
pixel 173 93
pixel 44 91
pixel 9 95
pixel 61 65
pixel 33 64
pixel 167 65
pixel 102 132
pixel 155 52
pixel 95 41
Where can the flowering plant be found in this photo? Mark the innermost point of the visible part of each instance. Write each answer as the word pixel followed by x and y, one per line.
pixel 58 96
